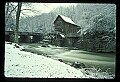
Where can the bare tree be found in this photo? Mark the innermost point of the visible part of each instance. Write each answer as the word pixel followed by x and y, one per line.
pixel 17 9
pixel 17 21
pixel 9 9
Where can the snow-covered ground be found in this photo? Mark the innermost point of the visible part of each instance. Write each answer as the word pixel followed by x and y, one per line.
pixel 25 64
pixel 29 65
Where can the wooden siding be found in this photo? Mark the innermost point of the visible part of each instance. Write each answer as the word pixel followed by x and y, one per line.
pixel 66 28
pixel 69 30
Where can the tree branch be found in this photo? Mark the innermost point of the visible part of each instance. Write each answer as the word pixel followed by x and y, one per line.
pixel 34 11
pixel 13 7
pixel 10 13
pixel 24 14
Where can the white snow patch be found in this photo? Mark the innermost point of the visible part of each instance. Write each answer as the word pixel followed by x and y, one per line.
pixel 25 64
pixel 63 36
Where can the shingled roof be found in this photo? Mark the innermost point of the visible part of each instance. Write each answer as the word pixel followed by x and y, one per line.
pixel 66 19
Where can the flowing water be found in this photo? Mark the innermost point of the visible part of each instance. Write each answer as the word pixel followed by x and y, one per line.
pixel 104 61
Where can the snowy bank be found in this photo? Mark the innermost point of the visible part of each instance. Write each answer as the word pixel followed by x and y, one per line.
pixel 25 64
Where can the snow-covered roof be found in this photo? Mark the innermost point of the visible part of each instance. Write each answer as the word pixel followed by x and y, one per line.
pixel 66 19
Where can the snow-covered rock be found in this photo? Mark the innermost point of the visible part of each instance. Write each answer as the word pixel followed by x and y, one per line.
pixel 18 46
pixel 25 64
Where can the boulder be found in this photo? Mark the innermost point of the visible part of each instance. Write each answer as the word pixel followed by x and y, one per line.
pixel 78 65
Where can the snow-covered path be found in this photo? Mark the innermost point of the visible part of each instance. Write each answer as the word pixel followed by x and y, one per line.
pixel 25 64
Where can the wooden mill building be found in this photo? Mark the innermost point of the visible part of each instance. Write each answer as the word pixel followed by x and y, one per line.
pixel 66 32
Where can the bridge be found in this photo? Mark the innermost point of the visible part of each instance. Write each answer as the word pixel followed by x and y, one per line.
pixel 24 37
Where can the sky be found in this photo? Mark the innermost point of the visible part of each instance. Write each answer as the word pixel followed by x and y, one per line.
pixel 43 7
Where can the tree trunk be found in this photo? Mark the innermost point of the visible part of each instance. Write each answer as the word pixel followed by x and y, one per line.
pixel 17 21
pixel 6 13
pixel 7 9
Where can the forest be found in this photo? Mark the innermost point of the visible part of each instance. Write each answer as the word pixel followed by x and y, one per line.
pixel 97 22
pixel 90 50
